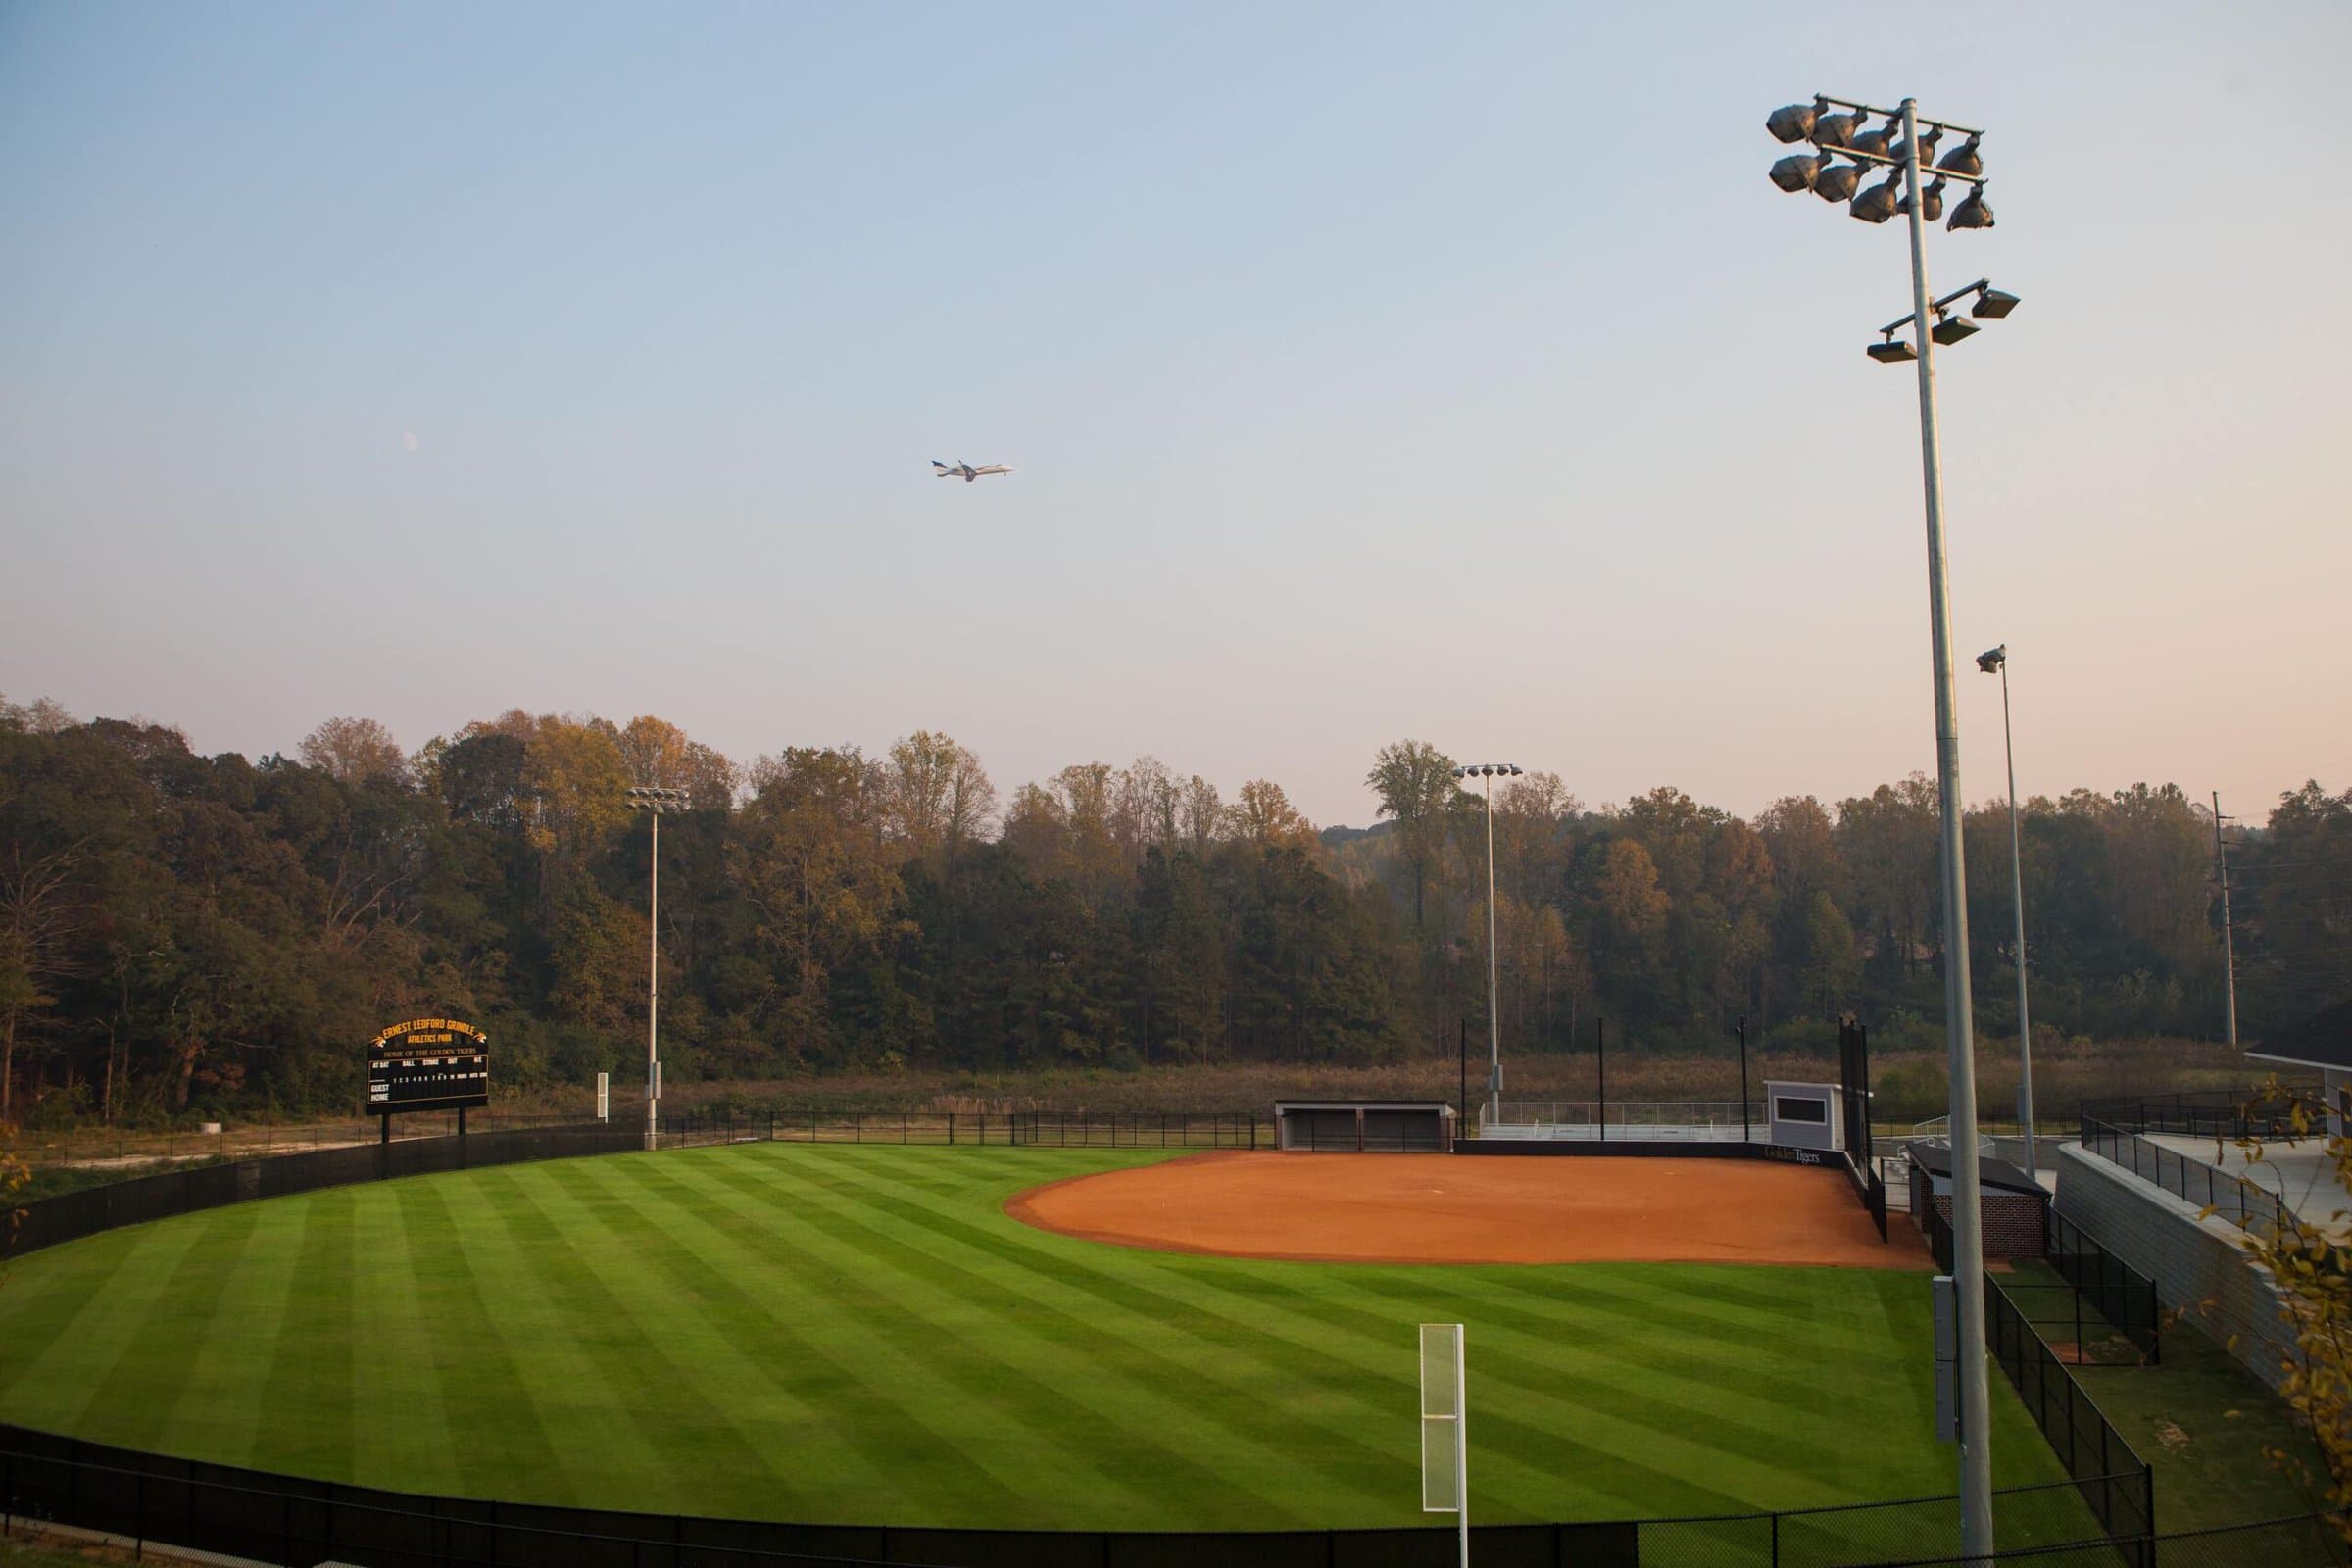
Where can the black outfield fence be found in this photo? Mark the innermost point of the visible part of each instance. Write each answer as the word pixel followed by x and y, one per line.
pixel 1052 1129
pixel 2303 1540
pixel 70 1215
pixel 2114 1482
pixel 287 1520
pixel 1853 1072
pixel 188 1189
pixel 2114 1293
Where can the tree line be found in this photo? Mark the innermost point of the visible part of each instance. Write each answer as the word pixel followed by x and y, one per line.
pixel 182 932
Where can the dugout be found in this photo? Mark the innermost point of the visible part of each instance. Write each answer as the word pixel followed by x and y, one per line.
pixel 2014 1208
pixel 1364 1126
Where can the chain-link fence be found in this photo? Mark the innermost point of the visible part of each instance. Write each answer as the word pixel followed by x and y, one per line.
pixel 2086 1442
pixel 2107 1291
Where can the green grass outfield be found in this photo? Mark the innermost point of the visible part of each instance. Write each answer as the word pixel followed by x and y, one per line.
pixel 860 1335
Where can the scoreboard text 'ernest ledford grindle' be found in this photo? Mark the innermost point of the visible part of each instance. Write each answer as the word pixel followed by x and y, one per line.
pixel 428 1064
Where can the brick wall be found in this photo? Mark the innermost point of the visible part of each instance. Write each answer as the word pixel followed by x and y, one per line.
pixel 2013 1226
pixel 2197 1264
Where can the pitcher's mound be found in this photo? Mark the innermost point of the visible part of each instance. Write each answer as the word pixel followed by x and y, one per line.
pixel 1443 1209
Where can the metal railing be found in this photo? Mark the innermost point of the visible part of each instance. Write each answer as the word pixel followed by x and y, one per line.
pixel 2220 1113
pixel 2230 1197
pixel 1937 1131
pixel 1717 1120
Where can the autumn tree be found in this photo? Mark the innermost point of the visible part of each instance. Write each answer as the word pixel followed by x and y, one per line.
pixel 809 862
pixel 38 920
pixel 937 796
pixel 352 750
pixel 1263 816
pixel 1418 792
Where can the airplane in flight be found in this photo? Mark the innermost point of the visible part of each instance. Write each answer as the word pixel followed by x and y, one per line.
pixel 965 471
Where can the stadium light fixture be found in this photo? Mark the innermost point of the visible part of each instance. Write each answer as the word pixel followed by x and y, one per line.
pixel 1489 771
pixel 1974 211
pixel 1837 182
pixel 1793 123
pixel 1878 203
pixel 1902 148
pixel 1951 329
pixel 656 800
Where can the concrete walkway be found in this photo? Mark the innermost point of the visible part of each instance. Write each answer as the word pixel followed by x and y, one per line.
pixel 2301 1172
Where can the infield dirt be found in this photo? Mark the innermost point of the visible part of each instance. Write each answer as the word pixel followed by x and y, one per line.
pixel 1441 1208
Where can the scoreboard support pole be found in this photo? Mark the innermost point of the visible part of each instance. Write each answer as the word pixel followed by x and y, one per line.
pixel 385 1123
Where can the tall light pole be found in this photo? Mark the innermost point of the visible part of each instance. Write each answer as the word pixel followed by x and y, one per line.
pixel 655 800
pixel 1898 148
pixel 1487 771
pixel 1995 661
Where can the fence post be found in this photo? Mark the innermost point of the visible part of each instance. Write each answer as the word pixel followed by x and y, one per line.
pixel 1775 1540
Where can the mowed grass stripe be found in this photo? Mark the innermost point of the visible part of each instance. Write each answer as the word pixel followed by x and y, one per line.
pixel 870 1324
pixel 396 1356
pixel 801 1448
pixel 220 1404
pixel 473 1359
pixel 1355 1395
pixel 57 1312
pixel 870 1384
pixel 130 1400
pixel 311 1368
pixel 680 1425
pixel 1186 1348
pixel 1747 1380
pixel 1359 1396
pixel 1543 1434
pixel 1582 1381
pixel 580 1339
pixel 1103 1413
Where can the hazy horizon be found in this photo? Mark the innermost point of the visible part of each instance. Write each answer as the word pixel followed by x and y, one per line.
pixel 1366 376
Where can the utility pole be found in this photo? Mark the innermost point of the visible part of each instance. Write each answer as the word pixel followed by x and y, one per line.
pixel 2221 854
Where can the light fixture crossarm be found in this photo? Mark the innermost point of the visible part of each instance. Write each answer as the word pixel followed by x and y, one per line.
pixel 1896 114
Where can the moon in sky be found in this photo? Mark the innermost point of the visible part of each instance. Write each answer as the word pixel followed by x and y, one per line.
pixel 408 440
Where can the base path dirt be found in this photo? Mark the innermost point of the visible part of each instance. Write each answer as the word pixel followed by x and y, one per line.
pixel 1446 1208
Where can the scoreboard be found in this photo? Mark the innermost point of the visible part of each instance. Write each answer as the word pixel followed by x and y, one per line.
pixel 427 1064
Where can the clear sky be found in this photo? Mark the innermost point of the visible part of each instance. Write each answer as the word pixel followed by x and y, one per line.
pixel 1370 371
